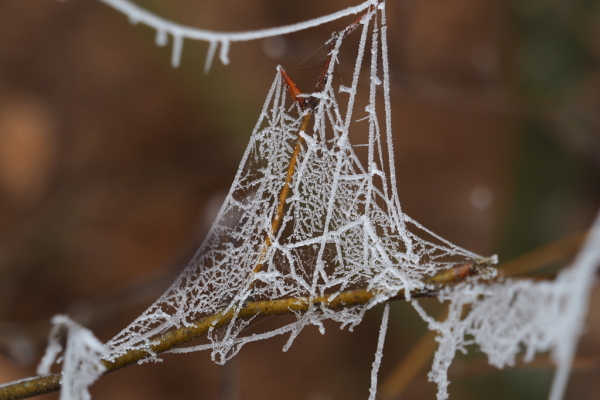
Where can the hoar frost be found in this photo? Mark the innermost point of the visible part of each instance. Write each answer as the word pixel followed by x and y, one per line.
pixel 81 358
pixel 507 316
pixel 341 228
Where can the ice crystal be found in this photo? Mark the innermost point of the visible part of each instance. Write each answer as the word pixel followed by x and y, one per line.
pixel 505 317
pixel 379 352
pixel 81 358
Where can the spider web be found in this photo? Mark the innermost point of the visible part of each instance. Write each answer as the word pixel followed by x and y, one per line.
pixel 341 225
pixel 507 318
pixel 313 211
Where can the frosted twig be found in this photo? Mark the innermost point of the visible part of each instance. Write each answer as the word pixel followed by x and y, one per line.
pixel 36 386
pixel 308 105
pixel 137 14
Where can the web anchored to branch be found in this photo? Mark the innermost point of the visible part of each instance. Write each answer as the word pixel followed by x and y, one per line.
pixel 304 217
pixel 313 213
pixel 507 316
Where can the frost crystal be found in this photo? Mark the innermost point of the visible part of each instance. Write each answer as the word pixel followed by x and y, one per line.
pixel 337 227
pixel 81 359
pixel 379 352
pixel 506 317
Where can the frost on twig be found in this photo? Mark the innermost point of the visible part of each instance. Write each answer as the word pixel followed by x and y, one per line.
pixel 178 32
pixel 81 358
pixel 506 317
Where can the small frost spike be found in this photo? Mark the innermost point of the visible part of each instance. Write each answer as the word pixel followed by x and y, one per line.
pixel 177 49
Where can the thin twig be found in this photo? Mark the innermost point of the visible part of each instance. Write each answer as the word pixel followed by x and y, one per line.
pixel 35 386
pixel 307 105
pixel 283 194
pixel 46 384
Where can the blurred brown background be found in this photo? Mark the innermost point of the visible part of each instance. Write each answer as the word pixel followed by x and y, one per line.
pixel 113 164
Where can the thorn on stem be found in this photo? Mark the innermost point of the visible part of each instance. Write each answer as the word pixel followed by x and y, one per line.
pixel 293 88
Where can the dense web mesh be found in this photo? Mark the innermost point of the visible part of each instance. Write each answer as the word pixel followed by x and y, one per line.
pixel 339 225
pixel 505 319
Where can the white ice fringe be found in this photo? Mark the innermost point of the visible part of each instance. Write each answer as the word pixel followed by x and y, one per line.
pixel 81 358
pixel 137 14
pixel 518 314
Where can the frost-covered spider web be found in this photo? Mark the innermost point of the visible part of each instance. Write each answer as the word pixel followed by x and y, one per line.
pixel 505 319
pixel 339 227
pixel 313 212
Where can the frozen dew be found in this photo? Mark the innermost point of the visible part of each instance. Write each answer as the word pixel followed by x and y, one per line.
pixel 161 37
pixel 224 53
pixel 177 49
pixel 210 55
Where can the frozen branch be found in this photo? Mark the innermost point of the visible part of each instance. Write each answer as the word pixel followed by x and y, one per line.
pixel 36 386
pixel 164 27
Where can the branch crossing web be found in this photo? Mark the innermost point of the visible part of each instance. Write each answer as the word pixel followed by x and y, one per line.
pixel 313 212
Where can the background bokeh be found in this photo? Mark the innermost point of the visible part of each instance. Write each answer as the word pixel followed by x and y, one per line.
pixel 113 165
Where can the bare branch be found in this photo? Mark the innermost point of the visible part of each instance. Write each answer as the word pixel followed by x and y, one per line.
pixel 36 386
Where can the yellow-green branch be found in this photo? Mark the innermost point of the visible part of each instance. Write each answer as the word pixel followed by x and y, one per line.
pixel 46 384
